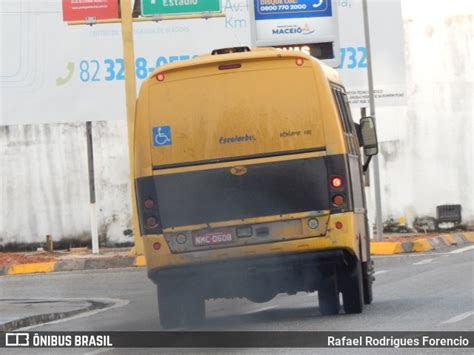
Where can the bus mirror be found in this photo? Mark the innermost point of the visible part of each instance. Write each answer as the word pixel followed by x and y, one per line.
pixel 369 136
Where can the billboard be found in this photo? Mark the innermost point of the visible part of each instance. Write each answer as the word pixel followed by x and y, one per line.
pixel 51 72
pixel 74 10
pixel 388 52
pixel 285 9
pixel 296 22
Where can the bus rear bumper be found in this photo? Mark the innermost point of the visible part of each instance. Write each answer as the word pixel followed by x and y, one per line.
pixel 257 278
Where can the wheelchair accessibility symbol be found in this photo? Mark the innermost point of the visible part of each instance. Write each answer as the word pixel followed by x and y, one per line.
pixel 161 136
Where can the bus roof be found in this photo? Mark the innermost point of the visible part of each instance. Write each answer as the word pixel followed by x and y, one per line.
pixel 255 53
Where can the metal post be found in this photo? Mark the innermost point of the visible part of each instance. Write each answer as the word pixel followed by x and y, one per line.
pixel 131 97
pixel 93 214
pixel 49 243
pixel 363 113
pixel 253 24
pixel 378 197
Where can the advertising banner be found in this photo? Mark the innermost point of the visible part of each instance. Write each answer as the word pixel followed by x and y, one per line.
pixel 51 72
pixel 284 9
pixel 79 10
pixel 294 22
pixel 388 52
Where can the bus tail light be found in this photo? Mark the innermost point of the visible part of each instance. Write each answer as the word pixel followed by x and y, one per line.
pixel 338 200
pixel 157 246
pixel 336 182
pixel 299 61
pixel 148 208
pixel 149 203
pixel 340 197
pixel 160 76
pixel 339 225
pixel 151 222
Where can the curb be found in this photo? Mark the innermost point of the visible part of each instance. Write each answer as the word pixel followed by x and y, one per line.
pixel 31 268
pixel 49 317
pixel 140 260
pixel 469 236
pixel 73 265
pixel 385 248
pixel 422 244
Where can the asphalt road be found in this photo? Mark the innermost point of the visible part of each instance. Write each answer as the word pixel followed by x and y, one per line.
pixel 430 291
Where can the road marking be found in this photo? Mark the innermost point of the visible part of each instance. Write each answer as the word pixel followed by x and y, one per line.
pixel 458 318
pixel 116 303
pixel 380 272
pixel 98 351
pixel 406 255
pixel 424 261
pixel 462 250
pixel 260 309
pixel 421 255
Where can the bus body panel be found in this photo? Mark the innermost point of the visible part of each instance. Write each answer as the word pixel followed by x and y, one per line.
pixel 225 116
pixel 247 142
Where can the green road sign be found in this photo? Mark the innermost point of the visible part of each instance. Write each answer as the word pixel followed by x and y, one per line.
pixel 171 7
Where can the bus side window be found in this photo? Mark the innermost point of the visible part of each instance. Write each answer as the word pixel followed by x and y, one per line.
pixel 346 119
pixel 352 123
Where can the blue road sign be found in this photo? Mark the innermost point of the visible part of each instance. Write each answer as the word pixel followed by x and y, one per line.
pixel 283 9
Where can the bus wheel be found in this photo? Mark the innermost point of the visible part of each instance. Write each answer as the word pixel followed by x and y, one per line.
pixel 195 309
pixel 179 307
pixel 328 296
pixel 352 291
pixel 169 308
pixel 367 273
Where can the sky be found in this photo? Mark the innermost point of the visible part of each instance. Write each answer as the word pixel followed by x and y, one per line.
pixel 436 8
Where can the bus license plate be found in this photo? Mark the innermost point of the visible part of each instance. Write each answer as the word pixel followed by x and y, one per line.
pixel 220 236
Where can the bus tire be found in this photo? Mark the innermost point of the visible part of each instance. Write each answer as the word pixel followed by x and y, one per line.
pixel 328 296
pixel 180 308
pixel 169 307
pixel 195 310
pixel 353 290
pixel 367 273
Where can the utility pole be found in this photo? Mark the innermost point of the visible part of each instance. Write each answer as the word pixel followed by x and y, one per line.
pixel 92 208
pixel 131 98
pixel 378 197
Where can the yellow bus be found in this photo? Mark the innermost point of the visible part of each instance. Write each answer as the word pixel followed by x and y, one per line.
pixel 248 179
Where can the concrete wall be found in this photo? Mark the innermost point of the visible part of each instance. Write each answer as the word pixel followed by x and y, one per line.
pixel 427 149
pixel 44 181
pixel 426 158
